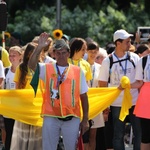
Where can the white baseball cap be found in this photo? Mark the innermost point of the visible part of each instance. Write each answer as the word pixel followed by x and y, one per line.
pixel 121 34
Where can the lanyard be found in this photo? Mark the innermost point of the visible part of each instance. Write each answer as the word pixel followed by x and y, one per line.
pixel 123 69
pixel 60 77
pixel 74 64
pixel 93 72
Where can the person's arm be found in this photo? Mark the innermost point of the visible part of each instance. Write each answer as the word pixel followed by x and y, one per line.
pixel 5 58
pixel 137 84
pixel 103 84
pixel 1 81
pixel 107 110
pixel 42 42
pixel 84 126
pixel 2 75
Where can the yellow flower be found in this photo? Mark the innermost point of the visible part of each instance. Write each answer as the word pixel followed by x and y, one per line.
pixel 57 34
pixel 7 34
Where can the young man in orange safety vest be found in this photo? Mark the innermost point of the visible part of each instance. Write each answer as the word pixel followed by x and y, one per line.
pixel 65 88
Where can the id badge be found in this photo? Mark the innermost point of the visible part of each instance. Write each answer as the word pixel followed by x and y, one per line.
pixel 54 94
pixel 12 85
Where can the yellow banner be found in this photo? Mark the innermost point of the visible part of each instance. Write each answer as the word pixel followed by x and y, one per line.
pixel 21 105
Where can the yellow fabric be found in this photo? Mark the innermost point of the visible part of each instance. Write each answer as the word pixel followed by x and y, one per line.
pixel 84 65
pixel 22 106
pixel 5 58
pixel 127 99
pixel 28 77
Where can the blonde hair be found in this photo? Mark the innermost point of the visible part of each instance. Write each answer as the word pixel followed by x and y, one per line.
pixel 16 48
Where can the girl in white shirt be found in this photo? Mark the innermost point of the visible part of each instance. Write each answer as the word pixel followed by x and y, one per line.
pixel 98 121
pixel 15 57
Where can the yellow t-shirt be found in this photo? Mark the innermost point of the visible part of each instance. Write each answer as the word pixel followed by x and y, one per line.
pixel 28 77
pixel 5 58
pixel 85 66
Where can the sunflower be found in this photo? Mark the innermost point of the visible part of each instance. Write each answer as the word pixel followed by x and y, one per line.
pixel 57 34
pixel 7 34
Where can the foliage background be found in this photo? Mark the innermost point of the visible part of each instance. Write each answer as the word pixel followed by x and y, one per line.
pixel 79 18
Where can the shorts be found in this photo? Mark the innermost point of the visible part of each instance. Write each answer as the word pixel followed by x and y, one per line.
pixel 145 126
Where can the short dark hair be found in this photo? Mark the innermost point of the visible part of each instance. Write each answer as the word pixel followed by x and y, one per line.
pixel 118 40
pixel 141 48
pixel 92 45
pixel 76 45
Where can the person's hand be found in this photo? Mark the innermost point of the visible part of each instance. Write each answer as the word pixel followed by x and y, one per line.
pixel 84 126
pixel 44 40
pixel 120 87
pixel 106 113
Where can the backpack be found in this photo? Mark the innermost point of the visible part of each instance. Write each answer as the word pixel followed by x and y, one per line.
pixel 118 61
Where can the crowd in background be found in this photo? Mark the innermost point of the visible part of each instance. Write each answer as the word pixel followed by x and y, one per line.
pixel 106 131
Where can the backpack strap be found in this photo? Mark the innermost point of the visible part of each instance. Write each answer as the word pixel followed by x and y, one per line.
pixel 144 60
pixel 129 57
pixel 110 65
pixel 118 61
pixel 111 61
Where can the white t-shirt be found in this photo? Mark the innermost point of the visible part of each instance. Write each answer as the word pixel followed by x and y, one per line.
pixel 49 60
pixel 9 80
pixel 95 75
pixel 2 75
pixel 116 73
pixel 98 121
pixel 83 84
pixel 139 70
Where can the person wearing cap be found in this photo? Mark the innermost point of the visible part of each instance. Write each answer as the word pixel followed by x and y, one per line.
pixel 66 87
pixel 122 67
pixel 66 38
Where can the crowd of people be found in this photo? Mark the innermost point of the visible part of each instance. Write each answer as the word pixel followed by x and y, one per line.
pixel 67 68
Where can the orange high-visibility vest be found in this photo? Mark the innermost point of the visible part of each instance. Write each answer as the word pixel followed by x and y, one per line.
pixel 68 103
